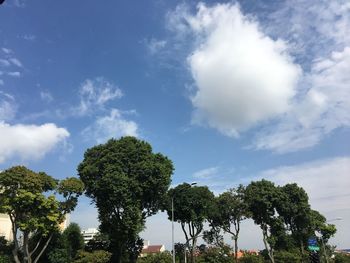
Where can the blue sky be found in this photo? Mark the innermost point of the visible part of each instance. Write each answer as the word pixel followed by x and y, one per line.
pixel 230 91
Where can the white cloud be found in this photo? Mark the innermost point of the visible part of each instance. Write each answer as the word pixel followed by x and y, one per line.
pixel 295 90
pixel 4 63
pixel 46 96
pixel 324 108
pixel 16 62
pixel 242 76
pixel 113 125
pixel 155 45
pixel 206 173
pixel 95 94
pixel 29 142
pixel 6 50
pixel 8 106
pixel 15 74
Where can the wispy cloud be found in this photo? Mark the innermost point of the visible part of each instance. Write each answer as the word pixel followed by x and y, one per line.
pixel 95 94
pixel 16 62
pixel 154 45
pixel 8 106
pixel 113 125
pixel 206 173
pixel 15 74
pixel 46 96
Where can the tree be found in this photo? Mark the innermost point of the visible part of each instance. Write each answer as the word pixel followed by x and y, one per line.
pixel 191 210
pixel 128 183
pixel 180 250
pixel 293 206
pixel 230 211
pixel 261 198
pixel 25 197
pixel 99 242
pixel 74 240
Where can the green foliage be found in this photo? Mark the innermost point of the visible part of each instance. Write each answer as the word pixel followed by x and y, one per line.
pixel 73 239
pixel 230 210
pixel 5 259
pixel 287 257
pixel 341 258
pixel 98 256
pixel 99 242
pixel 27 197
pixel 58 255
pixel 5 246
pixel 127 182
pixel 216 255
pixel 192 206
pixel 251 258
pixel 164 257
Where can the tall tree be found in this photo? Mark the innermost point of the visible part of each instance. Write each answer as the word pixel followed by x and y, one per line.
pixel 261 198
pixel 127 182
pixel 230 211
pixel 74 240
pixel 191 209
pixel 293 206
pixel 25 197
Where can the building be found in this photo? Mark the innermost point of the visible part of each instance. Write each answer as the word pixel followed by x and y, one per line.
pixel 89 234
pixel 65 223
pixel 5 227
pixel 151 249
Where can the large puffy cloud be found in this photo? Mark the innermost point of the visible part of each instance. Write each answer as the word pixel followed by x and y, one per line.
pixel 113 125
pixel 242 76
pixel 294 91
pixel 29 142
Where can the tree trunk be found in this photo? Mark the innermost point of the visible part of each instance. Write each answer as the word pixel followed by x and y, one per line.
pixel 26 255
pixel 302 250
pixel 43 249
pixel 193 250
pixel 267 247
pixel 14 234
pixel 236 248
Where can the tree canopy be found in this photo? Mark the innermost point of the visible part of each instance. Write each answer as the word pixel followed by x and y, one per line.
pixel 128 183
pixel 29 199
pixel 192 206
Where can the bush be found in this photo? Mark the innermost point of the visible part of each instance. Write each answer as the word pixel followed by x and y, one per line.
pixel 216 255
pixel 5 259
pixel 164 257
pixel 287 257
pixel 341 258
pixel 98 256
pixel 58 255
pixel 251 258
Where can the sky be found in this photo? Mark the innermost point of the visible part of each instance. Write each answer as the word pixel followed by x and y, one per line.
pixel 230 91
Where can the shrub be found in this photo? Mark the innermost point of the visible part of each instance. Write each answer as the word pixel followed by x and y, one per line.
pixel 287 257
pixel 164 257
pixel 98 256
